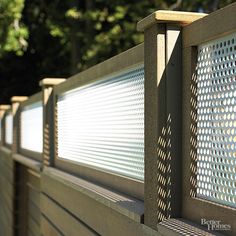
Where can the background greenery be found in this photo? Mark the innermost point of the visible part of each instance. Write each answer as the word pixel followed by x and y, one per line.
pixel 53 38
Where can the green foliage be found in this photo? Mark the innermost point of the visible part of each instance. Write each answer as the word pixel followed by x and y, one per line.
pixel 53 38
pixel 13 33
pixel 73 13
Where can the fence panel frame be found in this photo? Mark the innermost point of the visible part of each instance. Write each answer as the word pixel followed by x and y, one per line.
pixel 163 78
pixel 132 58
pixel 3 109
pixel 216 25
pixel 37 156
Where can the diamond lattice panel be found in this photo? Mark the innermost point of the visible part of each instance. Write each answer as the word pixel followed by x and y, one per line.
pixel 102 124
pixel 216 121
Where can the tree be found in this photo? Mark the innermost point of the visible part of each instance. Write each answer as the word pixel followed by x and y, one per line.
pixel 13 33
pixel 52 38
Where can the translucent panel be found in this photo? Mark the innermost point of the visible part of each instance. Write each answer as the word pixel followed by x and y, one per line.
pixel 216 121
pixel 102 124
pixel 9 129
pixel 32 127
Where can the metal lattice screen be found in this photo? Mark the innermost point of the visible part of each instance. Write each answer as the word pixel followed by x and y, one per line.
pixel 32 127
pixel 102 124
pixel 9 129
pixel 216 121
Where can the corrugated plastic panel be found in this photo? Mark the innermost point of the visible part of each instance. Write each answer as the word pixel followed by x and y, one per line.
pixel 32 127
pixel 9 129
pixel 102 124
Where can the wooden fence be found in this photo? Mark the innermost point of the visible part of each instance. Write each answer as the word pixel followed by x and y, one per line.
pixel 50 187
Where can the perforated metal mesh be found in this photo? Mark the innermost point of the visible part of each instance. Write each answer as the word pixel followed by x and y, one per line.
pixel 102 124
pixel 216 121
pixel 9 129
pixel 32 127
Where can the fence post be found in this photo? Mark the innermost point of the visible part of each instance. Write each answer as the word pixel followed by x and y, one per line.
pixel 163 111
pixel 48 119
pixel 16 100
pixel 3 109
pixel 18 178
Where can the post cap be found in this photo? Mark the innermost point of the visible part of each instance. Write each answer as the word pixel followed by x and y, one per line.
pixel 162 16
pixel 51 81
pixel 5 107
pixel 18 99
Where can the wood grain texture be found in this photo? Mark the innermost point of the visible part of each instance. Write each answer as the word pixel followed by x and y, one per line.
pixel 33 203
pixel 21 201
pixel 90 210
pixel 32 164
pixel 126 205
pixel 47 229
pixel 34 211
pixel 34 196
pixel 6 193
pixel 65 222
pixel 34 179
pixel 155 120
pixel 33 227
pixel 178 17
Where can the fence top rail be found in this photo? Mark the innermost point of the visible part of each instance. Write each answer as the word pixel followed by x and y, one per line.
pixel 123 61
pixel 32 99
pixel 217 24
pixel 162 16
